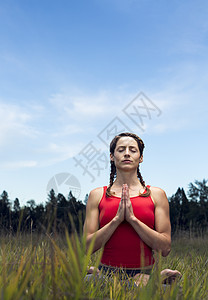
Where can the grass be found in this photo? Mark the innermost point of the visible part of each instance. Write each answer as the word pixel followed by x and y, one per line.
pixel 41 267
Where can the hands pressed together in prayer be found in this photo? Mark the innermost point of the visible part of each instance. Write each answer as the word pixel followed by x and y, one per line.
pixel 125 209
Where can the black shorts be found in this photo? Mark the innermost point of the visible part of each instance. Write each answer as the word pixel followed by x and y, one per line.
pixel 122 272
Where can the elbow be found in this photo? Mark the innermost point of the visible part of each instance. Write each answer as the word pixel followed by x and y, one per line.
pixel 90 245
pixel 166 250
pixel 88 242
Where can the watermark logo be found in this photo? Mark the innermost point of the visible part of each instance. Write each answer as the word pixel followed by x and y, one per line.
pixel 115 127
pixel 92 160
pixel 63 183
pixel 140 109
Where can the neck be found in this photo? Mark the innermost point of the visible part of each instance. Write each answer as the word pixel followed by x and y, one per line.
pixel 130 178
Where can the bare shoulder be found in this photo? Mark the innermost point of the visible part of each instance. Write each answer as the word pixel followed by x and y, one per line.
pixel 95 196
pixel 158 195
pixel 157 191
pixel 97 192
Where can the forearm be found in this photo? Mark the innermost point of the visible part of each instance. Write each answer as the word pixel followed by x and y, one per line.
pixel 102 235
pixel 155 240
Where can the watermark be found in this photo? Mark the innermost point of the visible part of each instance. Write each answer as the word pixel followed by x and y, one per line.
pixel 113 128
pixel 92 161
pixel 139 110
pixel 63 183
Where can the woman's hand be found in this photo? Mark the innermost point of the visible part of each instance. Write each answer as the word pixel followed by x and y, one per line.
pixel 125 209
pixel 121 209
pixel 129 214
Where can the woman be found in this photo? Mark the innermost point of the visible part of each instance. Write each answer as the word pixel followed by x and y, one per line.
pixel 128 218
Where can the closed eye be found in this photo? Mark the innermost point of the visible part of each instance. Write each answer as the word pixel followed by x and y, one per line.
pixel 134 150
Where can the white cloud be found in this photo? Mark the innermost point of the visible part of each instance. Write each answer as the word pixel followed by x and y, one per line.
pixel 69 129
pixel 19 164
pixel 171 126
pixel 14 122
pixel 79 107
pixel 65 150
pixel 79 114
pixel 58 152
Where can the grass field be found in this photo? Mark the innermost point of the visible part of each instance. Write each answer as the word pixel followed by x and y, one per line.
pixel 39 267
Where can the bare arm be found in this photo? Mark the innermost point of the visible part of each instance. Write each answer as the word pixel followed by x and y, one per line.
pixel 91 225
pixel 160 238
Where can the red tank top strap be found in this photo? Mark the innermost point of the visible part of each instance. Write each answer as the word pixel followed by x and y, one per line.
pixel 105 188
pixel 103 196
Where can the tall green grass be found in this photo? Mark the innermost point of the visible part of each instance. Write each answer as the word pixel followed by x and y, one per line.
pixel 45 267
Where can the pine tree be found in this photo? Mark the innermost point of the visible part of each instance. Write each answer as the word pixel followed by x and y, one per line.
pixel 5 212
pixel 16 206
pixel 198 193
pixel 51 212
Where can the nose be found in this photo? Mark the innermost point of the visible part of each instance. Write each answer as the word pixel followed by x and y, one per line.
pixel 126 152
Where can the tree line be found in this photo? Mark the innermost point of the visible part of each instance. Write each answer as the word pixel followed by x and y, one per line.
pixel 190 212
pixel 57 215
pixel 187 212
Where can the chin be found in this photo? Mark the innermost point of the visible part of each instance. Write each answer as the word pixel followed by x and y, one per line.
pixel 127 168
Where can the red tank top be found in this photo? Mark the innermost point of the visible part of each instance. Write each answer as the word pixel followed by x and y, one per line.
pixel 125 248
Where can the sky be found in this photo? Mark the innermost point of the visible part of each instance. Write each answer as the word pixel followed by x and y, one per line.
pixel 75 73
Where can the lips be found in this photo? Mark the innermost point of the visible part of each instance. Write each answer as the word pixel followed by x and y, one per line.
pixel 127 161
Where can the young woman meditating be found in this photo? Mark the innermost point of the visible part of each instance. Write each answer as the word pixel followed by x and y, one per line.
pixel 129 219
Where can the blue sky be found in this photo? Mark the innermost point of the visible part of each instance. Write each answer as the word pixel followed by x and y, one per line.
pixel 69 68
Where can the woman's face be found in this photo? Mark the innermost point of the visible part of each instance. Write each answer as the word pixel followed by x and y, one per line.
pixel 126 155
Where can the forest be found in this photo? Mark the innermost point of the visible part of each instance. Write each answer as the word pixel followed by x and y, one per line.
pixel 188 212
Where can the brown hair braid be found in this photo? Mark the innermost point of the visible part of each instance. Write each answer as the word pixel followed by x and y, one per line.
pixel 112 176
pixel 139 175
pixel 113 167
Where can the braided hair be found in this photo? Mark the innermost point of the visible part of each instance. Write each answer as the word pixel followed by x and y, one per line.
pixel 113 167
